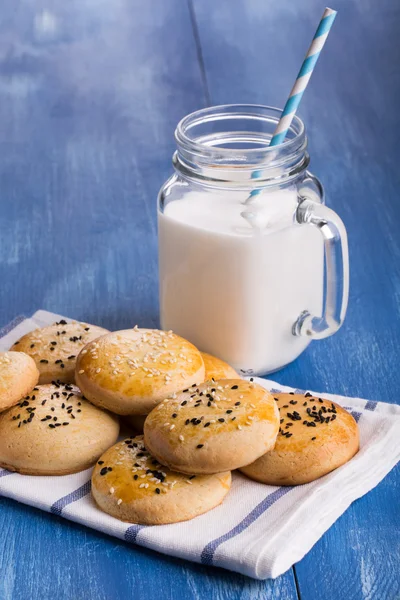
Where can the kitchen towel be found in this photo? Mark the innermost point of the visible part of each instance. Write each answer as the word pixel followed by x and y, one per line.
pixel 258 530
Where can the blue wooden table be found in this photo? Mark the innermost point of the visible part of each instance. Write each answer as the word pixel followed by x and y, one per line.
pixel 90 93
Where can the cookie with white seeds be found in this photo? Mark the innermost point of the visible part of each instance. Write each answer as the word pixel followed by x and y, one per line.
pixel 18 375
pixel 129 484
pixel 55 348
pixel 54 431
pixel 215 368
pixel 315 437
pixel 129 372
pixel 213 427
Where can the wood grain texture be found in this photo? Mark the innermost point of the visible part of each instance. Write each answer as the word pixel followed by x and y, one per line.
pixel 252 51
pixel 90 94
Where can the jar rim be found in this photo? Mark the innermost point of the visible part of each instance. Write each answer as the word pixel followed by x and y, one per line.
pixel 237 111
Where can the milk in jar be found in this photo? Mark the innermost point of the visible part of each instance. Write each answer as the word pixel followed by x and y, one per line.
pixel 241 273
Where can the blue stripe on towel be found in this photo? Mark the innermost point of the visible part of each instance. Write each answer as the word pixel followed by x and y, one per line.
pixel 371 405
pixel 10 326
pixel 4 473
pixel 58 506
pixel 132 532
pixel 207 556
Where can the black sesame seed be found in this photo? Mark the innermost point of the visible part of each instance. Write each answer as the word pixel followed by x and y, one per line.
pixel 87 328
pixel 237 403
pixel 135 477
pixel 184 403
pixel 32 345
pixel 43 360
pixel 234 387
pixel 109 468
pixel 199 446
pixel 158 491
pixel 71 357
pixel 104 471
pixel 51 349
pixel 228 412
pixel 51 426
pixel 313 438
pixel 174 415
pixel 221 420
pixel 207 424
pixel 65 423
pixel 308 395
pixel 100 462
pixel 276 399
pixel 233 419
pixel 192 476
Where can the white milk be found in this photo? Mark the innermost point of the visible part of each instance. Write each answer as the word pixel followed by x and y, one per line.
pixel 234 289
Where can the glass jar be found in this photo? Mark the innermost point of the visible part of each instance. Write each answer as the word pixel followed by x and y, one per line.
pixel 252 265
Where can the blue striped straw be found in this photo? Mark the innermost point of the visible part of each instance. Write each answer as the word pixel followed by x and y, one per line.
pixel 303 77
pixel 300 85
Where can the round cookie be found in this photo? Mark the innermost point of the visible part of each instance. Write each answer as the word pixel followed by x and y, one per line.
pixel 130 485
pixel 315 437
pixel 18 375
pixel 217 368
pixel 214 427
pixel 54 431
pixel 129 372
pixel 55 348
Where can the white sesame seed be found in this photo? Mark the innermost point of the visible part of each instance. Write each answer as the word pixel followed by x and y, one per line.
pixel 239 427
pixel 181 438
pixel 98 370
pixel 112 490
pixel 250 418
pixel 119 502
pixel 142 485
pixel 166 424
pixel 172 427
pixel 81 371
pixel 188 481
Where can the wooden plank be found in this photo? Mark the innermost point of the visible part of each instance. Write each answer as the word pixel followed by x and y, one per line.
pixel 44 556
pixel 252 50
pixel 90 93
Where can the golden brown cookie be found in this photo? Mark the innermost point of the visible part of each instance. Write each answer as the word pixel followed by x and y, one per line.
pixel 130 485
pixel 315 437
pixel 214 427
pixel 217 368
pixel 54 431
pixel 55 348
pixel 131 371
pixel 18 375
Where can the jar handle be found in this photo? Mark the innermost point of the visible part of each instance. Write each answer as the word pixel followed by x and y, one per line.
pixel 336 271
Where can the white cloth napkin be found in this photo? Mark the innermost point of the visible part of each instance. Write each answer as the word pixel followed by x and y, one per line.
pixel 258 530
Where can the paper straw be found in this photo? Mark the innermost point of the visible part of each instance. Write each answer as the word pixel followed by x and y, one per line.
pixel 300 85
pixel 303 76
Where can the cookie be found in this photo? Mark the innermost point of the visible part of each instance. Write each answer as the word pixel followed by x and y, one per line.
pixel 214 427
pixel 54 431
pixel 315 437
pixel 130 485
pixel 55 348
pixel 129 372
pixel 18 375
pixel 217 368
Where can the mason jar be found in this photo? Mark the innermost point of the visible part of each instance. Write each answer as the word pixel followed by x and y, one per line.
pixel 252 265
